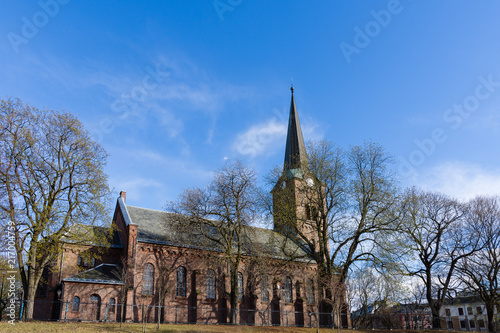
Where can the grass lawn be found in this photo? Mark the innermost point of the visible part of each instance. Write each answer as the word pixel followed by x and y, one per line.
pixel 164 328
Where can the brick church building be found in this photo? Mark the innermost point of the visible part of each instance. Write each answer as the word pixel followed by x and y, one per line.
pixel 151 269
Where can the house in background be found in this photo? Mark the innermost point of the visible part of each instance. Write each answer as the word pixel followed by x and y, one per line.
pixel 414 316
pixel 398 316
pixel 466 312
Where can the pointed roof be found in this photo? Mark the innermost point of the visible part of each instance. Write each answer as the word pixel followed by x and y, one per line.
pixel 295 153
pixel 104 273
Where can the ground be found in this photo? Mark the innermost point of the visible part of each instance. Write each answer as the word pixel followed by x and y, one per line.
pixel 112 327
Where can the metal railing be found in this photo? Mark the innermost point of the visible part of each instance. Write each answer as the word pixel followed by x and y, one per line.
pixel 102 312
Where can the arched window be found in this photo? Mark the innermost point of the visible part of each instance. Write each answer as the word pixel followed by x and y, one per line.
pixel 148 279
pixel 310 291
pixel 43 285
pixel 288 290
pixel 211 284
pixel 76 303
pixel 240 286
pixel 181 282
pixel 264 289
pixel 112 304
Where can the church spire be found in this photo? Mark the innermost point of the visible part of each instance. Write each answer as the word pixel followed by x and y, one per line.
pixel 295 154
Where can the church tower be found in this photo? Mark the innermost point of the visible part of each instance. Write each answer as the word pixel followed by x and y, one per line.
pixel 293 209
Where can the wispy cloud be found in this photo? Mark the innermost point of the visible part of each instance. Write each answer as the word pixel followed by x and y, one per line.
pixel 461 180
pixel 260 138
pixel 137 188
pixel 265 138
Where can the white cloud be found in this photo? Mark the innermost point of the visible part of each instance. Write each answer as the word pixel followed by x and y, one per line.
pixel 461 180
pixel 137 188
pixel 261 138
pixel 266 138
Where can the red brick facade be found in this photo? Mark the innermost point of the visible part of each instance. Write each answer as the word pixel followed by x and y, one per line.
pixel 196 305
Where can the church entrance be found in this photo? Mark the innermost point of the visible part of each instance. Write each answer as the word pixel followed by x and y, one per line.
pixel 95 307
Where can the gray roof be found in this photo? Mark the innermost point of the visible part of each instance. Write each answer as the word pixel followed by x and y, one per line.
pixel 104 273
pixel 295 152
pixel 93 235
pixel 160 227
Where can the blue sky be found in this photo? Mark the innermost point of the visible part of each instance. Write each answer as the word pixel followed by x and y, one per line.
pixel 173 89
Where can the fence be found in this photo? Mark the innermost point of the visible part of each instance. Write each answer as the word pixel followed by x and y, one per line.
pixel 400 321
pixel 95 311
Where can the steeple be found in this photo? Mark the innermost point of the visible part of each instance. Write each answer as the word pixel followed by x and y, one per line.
pixel 295 154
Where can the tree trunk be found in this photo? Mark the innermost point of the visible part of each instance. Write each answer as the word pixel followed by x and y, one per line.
pixel 489 313
pixel 436 321
pixel 122 308
pixel 234 295
pixel 30 298
pixel 32 283
pixel 161 296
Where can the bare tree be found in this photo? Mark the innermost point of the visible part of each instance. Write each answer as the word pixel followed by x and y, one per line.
pixel 373 291
pixel 125 276
pixel 435 232
pixel 165 265
pixel 480 272
pixel 349 199
pixel 219 214
pixel 51 178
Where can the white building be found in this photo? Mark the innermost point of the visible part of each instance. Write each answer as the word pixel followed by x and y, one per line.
pixel 466 312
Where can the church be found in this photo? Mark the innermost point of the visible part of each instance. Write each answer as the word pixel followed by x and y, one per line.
pixel 151 269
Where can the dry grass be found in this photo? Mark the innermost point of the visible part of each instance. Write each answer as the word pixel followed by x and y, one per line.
pixel 164 328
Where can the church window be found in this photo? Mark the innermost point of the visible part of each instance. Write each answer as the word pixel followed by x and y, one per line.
pixel 308 212
pixel 288 290
pixel 76 303
pixel 314 213
pixel 148 279
pixel 311 213
pixel 112 304
pixel 211 284
pixel 43 285
pixel 264 289
pixel 181 282
pixel 240 286
pixel 310 291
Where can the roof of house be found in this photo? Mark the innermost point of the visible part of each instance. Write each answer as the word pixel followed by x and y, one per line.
pixel 93 235
pixel 104 273
pixel 463 300
pixel 160 227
